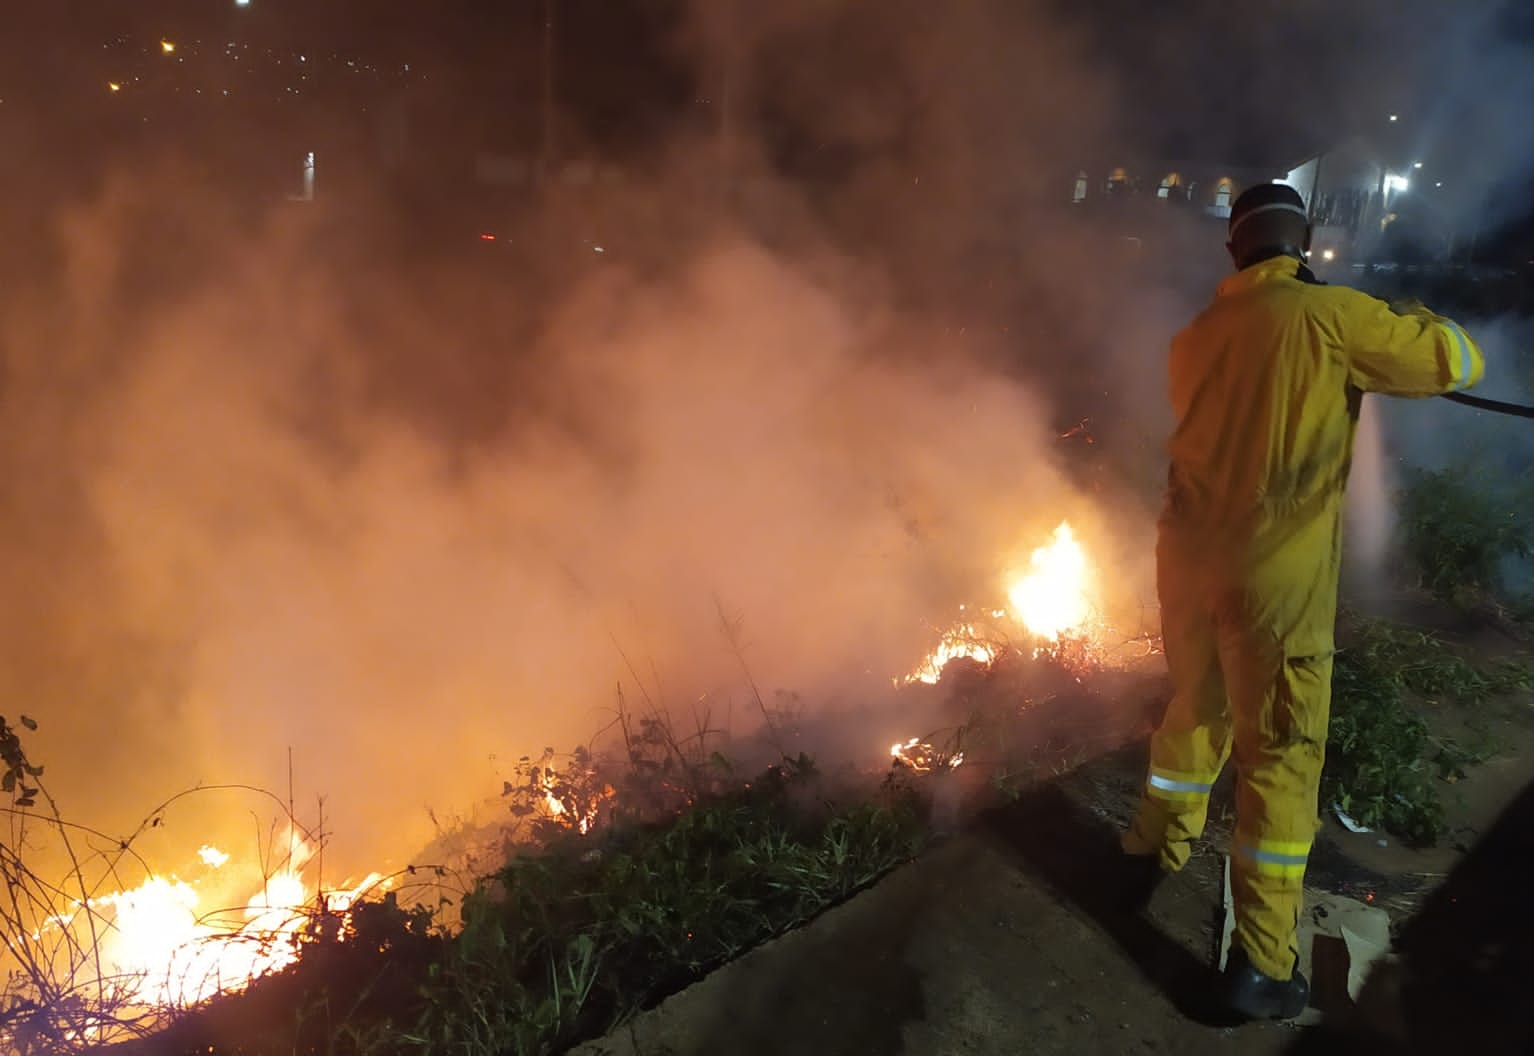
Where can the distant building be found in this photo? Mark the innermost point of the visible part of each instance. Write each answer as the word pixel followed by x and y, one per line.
pixel 1355 199
pixel 1203 185
pixel 1358 203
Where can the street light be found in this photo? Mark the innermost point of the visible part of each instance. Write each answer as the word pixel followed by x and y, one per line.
pixel 1416 164
pixel 1394 117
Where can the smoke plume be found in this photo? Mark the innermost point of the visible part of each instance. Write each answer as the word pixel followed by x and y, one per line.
pixel 277 486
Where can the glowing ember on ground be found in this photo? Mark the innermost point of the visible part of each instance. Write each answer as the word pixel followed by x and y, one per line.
pixel 1053 598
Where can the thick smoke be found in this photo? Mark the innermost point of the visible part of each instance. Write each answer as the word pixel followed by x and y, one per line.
pixel 408 518
pixel 239 543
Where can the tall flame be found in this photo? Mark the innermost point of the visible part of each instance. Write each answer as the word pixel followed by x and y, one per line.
pixel 1053 598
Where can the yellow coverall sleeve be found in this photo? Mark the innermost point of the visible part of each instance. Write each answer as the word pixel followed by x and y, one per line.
pixel 1416 354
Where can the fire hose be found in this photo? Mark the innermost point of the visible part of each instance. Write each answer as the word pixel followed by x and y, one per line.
pixel 1517 410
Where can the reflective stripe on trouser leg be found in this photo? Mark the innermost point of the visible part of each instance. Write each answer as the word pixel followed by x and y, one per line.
pixel 1279 754
pixel 1192 743
pixel 1275 858
pixel 1177 786
pixel 1171 816
pixel 1267 880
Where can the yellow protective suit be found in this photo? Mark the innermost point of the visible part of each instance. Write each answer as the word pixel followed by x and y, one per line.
pixel 1266 384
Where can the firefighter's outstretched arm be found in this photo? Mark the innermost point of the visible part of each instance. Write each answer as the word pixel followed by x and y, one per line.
pixel 1415 353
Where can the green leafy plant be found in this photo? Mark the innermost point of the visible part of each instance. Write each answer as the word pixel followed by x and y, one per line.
pixel 1384 767
pixel 1458 534
pixel 573 939
pixel 1424 664
pixel 16 772
pixel 1378 771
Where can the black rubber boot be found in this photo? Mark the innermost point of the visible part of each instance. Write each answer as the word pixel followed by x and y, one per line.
pixel 1253 995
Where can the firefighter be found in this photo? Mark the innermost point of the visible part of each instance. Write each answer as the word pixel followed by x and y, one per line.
pixel 1266 385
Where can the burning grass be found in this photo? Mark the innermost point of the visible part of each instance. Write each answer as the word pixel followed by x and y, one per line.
pixel 115 949
pixel 620 874
pixel 1052 608
pixel 576 931
pixel 625 875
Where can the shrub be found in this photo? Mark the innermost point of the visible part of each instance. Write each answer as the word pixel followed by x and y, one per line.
pixel 1457 535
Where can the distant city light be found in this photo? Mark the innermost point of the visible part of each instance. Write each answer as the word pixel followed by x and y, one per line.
pixel 167 47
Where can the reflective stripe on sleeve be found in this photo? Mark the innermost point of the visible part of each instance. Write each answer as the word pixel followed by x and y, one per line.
pixel 1276 858
pixel 1462 377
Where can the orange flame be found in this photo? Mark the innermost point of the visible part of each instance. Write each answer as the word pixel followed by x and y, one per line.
pixel 1054 597
pixel 162 948
pixel 922 757
pixel 961 642
pixel 1052 600
pixel 574 810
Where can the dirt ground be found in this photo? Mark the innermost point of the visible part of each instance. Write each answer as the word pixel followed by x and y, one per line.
pixel 1007 937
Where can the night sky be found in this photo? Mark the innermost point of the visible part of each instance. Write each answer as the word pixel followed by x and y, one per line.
pixel 1285 79
pixel 1298 73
